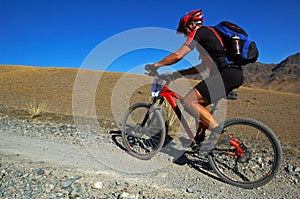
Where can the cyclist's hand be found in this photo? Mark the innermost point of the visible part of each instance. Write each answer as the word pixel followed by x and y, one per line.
pixel 152 70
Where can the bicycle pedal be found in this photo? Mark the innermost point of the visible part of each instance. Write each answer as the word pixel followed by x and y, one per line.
pixel 196 154
pixel 195 147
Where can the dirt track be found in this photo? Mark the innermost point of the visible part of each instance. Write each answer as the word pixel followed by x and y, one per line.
pixel 43 164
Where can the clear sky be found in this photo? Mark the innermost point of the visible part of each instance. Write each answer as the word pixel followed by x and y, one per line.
pixel 62 33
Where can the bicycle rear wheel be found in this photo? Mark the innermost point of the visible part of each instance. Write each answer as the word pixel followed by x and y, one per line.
pixel 257 163
pixel 143 130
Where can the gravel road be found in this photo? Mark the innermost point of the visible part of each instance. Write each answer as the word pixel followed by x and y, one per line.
pixel 41 159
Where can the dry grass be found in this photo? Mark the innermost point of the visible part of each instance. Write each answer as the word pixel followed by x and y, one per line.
pixel 35 108
pixel 171 117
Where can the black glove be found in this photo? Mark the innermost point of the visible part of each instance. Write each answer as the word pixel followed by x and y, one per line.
pixel 151 69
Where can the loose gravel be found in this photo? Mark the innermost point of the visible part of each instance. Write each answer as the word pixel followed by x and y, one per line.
pixel 26 171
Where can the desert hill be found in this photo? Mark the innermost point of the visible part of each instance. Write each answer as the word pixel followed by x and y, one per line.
pixel 22 86
pixel 284 76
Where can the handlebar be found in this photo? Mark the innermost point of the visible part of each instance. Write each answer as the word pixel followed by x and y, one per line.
pixel 152 73
pixel 166 77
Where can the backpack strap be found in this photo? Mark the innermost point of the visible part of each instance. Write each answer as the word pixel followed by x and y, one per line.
pixel 221 41
pixel 217 35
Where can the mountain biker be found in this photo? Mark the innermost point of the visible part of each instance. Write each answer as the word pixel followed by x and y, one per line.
pixel 191 25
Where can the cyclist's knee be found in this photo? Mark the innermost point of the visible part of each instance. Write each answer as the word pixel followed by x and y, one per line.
pixel 190 102
pixel 193 98
pixel 189 109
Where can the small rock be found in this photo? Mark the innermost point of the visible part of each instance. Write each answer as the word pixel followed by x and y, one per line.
pixel 126 195
pixel 40 172
pixel 69 182
pixel 2 173
pixel 74 194
pixel 289 168
pixel 297 169
pixel 116 194
pixel 49 187
pixel 118 183
pixel 2 108
pixel 97 185
pixel 190 190
pixel 86 184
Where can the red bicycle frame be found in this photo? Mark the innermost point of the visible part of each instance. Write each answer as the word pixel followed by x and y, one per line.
pixel 169 95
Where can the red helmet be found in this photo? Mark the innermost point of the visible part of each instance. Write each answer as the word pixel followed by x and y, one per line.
pixel 195 15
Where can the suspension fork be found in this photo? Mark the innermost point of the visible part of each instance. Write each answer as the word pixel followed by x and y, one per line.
pixel 154 100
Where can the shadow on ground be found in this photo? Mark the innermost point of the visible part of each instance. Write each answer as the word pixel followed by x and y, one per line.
pixel 190 158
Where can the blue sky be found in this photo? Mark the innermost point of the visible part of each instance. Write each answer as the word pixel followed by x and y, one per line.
pixel 62 33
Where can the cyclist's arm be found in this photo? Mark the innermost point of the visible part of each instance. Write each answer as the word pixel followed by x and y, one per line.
pixel 193 70
pixel 174 57
pixel 190 71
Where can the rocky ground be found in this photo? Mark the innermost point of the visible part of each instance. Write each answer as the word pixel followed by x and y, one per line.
pixel 47 159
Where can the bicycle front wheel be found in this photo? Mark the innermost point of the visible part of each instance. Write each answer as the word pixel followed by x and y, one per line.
pixel 254 160
pixel 143 130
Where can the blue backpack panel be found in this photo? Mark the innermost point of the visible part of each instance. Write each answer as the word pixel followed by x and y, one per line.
pixel 239 49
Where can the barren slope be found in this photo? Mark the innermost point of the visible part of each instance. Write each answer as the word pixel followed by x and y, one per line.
pixel 20 86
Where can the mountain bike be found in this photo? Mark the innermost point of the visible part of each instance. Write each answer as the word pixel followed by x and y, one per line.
pixel 250 159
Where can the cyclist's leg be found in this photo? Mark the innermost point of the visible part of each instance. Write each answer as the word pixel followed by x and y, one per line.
pixel 200 131
pixel 196 103
pixel 210 91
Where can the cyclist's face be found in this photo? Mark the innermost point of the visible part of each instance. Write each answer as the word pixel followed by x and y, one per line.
pixel 186 31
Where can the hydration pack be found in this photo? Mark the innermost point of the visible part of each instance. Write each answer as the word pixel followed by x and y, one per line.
pixel 239 49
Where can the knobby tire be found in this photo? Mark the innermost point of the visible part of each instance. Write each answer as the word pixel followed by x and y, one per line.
pixel 143 135
pixel 248 173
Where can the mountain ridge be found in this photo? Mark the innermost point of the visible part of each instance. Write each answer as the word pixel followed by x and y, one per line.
pixel 284 76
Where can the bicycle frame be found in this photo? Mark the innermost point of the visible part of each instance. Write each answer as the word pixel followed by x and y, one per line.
pixel 169 95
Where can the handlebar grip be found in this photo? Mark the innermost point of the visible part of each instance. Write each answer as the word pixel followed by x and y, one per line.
pixel 152 70
pixel 150 67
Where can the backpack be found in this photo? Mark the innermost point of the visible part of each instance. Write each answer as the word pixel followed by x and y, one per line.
pixel 239 49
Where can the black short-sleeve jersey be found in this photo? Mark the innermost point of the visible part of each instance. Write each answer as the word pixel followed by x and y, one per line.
pixel 209 41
